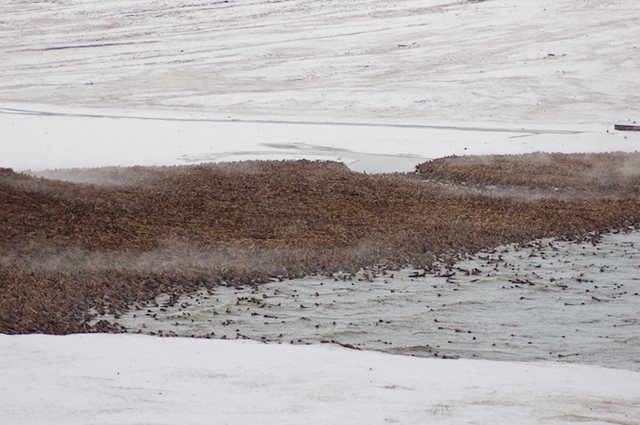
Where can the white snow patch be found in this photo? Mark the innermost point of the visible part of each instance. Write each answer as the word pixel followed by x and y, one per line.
pixel 128 379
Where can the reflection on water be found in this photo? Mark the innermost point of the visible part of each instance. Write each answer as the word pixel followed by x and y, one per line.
pixel 547 301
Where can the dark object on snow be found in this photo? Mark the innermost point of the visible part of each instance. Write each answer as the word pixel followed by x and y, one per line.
pixel 627 127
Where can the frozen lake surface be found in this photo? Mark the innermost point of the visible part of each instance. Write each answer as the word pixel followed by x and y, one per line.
pixel 44 138
pixel 549 300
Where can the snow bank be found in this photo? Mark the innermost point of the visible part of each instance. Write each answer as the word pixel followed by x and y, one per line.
pixel 129 379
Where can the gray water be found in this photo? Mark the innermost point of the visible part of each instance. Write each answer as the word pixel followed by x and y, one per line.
pixel 551 300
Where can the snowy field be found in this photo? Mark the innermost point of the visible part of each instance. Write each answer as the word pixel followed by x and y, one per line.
pixel 379 85
pixel 512 62
pixel 129 379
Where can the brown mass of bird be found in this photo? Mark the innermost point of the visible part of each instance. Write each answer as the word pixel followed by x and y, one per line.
pixel 583 175
pixel 115 238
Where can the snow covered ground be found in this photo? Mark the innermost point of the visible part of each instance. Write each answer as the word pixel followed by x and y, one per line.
pixel 128 379
pixel 503 61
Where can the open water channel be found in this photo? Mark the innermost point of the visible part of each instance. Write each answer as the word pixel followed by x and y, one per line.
pixel 549 300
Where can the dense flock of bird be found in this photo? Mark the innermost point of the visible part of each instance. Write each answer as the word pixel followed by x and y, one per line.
pixel 82 243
